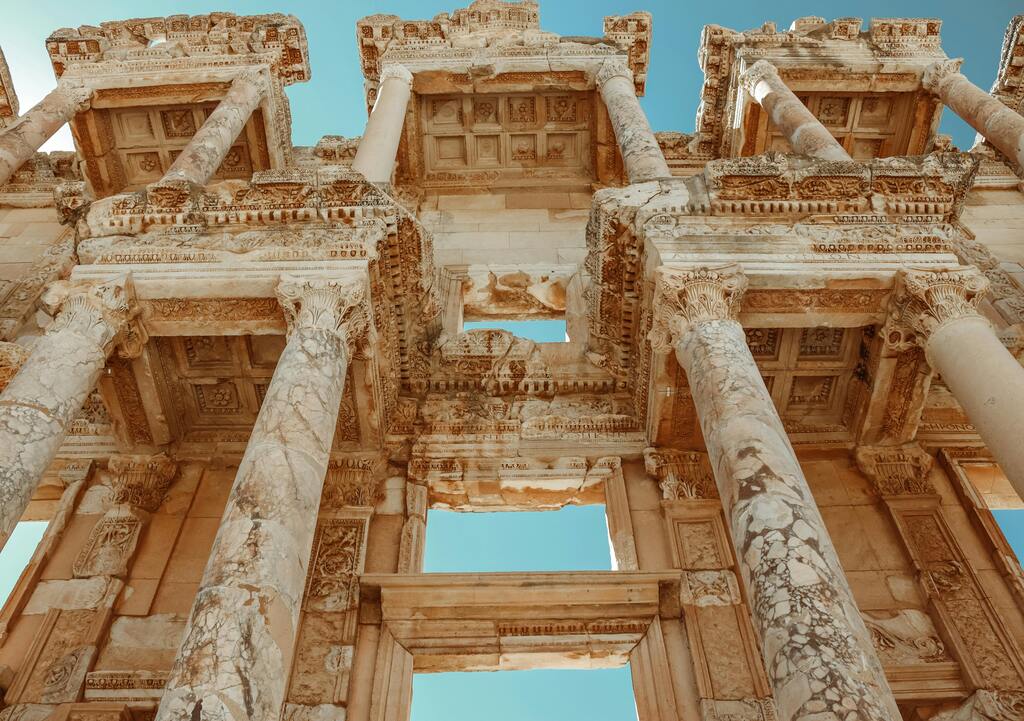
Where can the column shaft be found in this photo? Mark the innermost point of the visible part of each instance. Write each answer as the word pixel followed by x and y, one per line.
pixel 378 148
pixel 937 309
pixel 207 149
pixel 804 132
pixel 236 652
pixel 640 150
pixel 988 382
pixel 49 390
pixel 818 654
pixel 20 141
pixel 997 123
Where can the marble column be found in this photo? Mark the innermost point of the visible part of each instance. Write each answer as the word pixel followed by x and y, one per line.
pixel 640 150
pixel 938 310
pixel 997 123
pixel 236 652
pixel 48 391
pixel 375 157
pixel 805 133
pixel 20 141
pixel 207 149
pixel 817 651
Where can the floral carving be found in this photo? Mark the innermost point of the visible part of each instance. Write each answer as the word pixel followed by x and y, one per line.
pixel 687 296
pixel 336 564
pixel 895 471
pixel 335 306
pixel 681 474
pixel 926 300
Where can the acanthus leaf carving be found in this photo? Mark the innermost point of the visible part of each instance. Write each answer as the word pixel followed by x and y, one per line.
pixel 685 296
pixel 926 299
pixel 897 470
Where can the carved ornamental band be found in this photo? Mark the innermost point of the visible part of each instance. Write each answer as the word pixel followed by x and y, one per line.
pixel 335 306
pixel 925 300
pixel 683 297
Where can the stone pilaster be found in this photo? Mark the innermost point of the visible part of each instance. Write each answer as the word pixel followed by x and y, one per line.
pixel 237 648
pixel 640 150
pixel 24 136
pixel 997 123
pixel 137 490
pixel 375 157
pixel 207 149
pixel 48 391
pixel 938 310
pixel 817 651
pixel 805 133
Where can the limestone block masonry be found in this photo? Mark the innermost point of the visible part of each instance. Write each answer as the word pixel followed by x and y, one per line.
pixel 237 375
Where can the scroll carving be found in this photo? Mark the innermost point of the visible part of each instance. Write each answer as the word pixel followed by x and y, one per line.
pixel 681 475
pixel 926 300
pixel 683 297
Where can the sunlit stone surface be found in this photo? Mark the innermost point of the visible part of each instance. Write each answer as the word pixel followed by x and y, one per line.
pixel 235 376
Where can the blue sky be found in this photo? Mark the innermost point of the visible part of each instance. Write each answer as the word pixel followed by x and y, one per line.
pixel 331 103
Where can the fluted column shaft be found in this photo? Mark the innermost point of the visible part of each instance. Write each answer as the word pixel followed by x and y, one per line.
pixel 207 149
pixel 937 309
pixel 236 652
pixel 997 123
pixel 817 651
pixel 20 141
pixel 805 133
pixel 48 391
pixel 640 150
pixel 378 148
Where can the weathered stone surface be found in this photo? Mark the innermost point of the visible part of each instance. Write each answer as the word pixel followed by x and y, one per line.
pixel 794 399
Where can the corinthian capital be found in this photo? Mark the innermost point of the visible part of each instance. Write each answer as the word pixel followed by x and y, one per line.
pixel 75 97
pixel 335 306
pixel 925 300
pixel 106 313
pixel 141 481
pixel 761 70
pixel 685 296
pixel 613 68
pixel 396 72
pixel 896 470
pixel 937 73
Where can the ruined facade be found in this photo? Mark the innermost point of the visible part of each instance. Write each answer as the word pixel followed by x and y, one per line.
pixel 236 376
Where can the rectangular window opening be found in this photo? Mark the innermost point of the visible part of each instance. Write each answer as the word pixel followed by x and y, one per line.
pixel 574 538
pixel 17 552
pixel 539 331
pixel 602 694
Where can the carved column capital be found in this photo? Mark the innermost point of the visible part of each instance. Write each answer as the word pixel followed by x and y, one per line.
pixel 395 71
pixel 613 68
pixel 106 313
pixel 924 300
pixel 685 296
pixel 682 475
pixel 141 481
pixel 937 73
pixel 12 356
pixel 330 305
pixel 896 470
pixel 74 97
pixel 761 70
